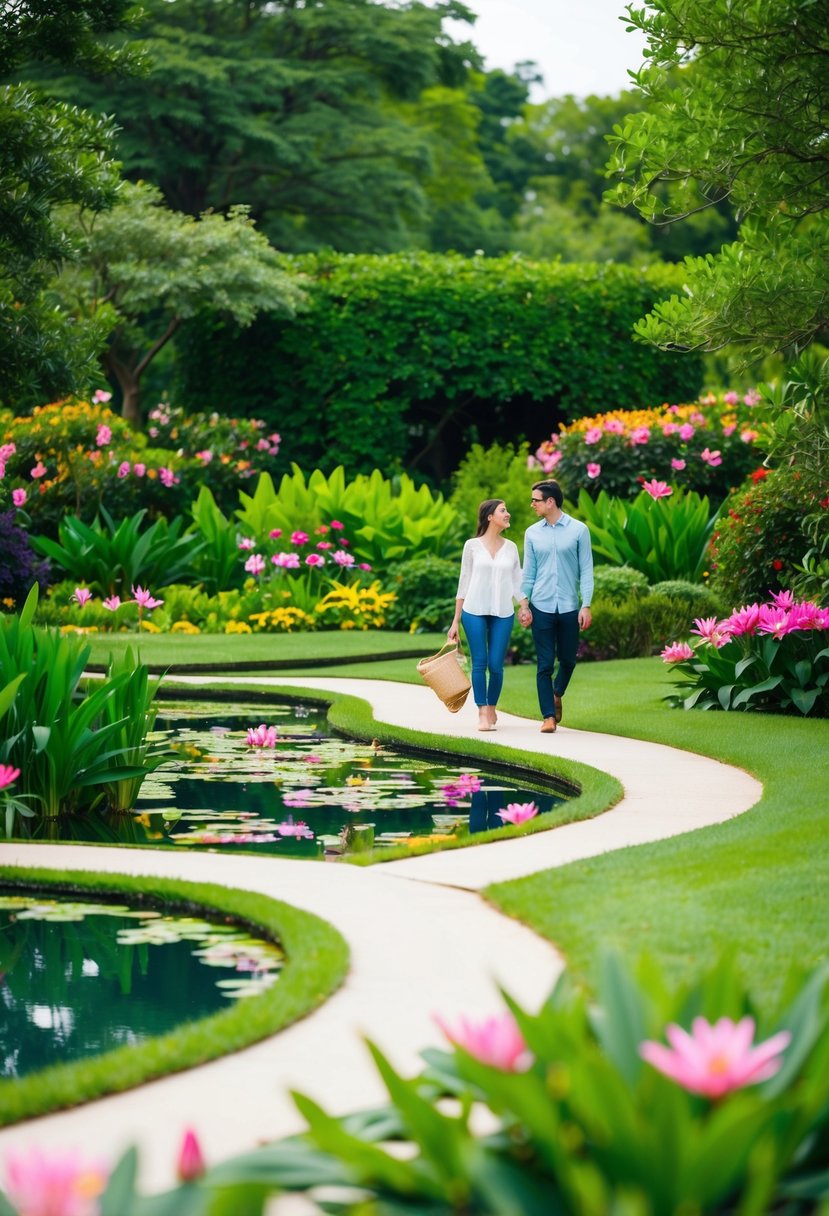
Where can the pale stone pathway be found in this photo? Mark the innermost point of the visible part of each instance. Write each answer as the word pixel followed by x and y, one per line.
pixel 416 946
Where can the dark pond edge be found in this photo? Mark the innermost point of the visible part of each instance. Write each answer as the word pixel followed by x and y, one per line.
pixel 316 965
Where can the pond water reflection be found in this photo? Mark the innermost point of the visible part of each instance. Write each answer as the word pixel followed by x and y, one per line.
pixel 305 793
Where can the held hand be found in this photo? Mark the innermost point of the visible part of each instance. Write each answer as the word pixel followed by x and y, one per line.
pixel 452 633
pixel 525 617
pixel 585 617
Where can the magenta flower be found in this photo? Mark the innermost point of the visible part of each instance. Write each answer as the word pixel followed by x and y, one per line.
pixel 289 828
pixel 711 458
pixel 255 563
pixel 714 1060
pixel 81 595
pixel 657 489
pixel 805 615
pixel 776 621
pixel 60 1184
pixel 167 477
pixel 315 559
pixel 8 775
pixel 686 431
pixel 288 561
pixel 2 470
pixel 39 470
pixel 337 525
pixel 713 631
pixel 342 558
pixel 496 1041
pixel 104 436
pixel 275 533
pixel 518 812
pixel 299 538
pixel 324 545
pixel 144 599
pixel 640 435
pixel 594 470
pixel 298 798
pixel 191 1164
pixel 7 450
pixel 262 736
pixel 752 397
pixel 593 435
pixel 677 652
pixel 112 602
pixel 363 566
pixel 783 599
pixel 123 469
pixel 743 620
pixel 19 497
pixel 677 465
pixel 139 469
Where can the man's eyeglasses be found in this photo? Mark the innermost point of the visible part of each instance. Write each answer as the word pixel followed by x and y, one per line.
pixel 534 500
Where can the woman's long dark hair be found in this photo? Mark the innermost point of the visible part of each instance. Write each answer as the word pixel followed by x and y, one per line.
pixel 484 511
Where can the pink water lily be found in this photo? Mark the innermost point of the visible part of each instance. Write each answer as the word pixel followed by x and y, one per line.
pixel 298 798
pixel 81 595
pixel 657 489
pixel 60 1184
pixel 8 775
pixel 518 812
pixel 262 736
pixel 191 1164
pixel 300 830
pixel 496 1041
pixel 715 1059
pixel 677 652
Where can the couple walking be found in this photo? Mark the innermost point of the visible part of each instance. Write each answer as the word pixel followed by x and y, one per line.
pixel 558 572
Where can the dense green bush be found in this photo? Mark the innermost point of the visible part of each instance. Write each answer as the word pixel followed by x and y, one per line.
pixel 699 600
pixel 618 583
pixel 425 594
pixel 498 471
pixel 406 359
pixel 633 628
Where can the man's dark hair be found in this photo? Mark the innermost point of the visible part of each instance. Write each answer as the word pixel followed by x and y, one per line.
pixel 550 489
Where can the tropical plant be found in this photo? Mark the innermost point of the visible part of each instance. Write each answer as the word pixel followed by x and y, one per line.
pixel 133 710
pixel 771 657
pixel 112 558
pixel 619 583
pixel 662 532
pixel 424 591
pixel 633 628
pixel 217 564
pixel 498 471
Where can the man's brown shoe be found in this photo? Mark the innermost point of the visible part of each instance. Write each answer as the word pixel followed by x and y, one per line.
pixel 557 703
pixel 548 726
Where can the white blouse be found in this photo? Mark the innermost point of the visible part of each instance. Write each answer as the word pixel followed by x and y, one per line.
pixel 488 585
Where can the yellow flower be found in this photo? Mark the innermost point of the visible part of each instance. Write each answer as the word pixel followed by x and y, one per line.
pixel 184 626
pixel 149 627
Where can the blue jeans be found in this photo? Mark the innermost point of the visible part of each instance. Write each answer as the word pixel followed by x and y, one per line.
pixel 488 638
pixel 554 633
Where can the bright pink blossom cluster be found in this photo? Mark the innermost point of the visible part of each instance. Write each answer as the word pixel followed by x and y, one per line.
pixel 324 551
pixel 780 616
pixel 715 1059
pixel 262 736
pixel 496 1041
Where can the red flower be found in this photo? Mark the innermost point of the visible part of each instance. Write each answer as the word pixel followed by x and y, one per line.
pixel 759 474
pixel 777 564
pixel 824 502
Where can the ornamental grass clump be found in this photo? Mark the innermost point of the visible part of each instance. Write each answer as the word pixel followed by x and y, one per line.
pixel 771 657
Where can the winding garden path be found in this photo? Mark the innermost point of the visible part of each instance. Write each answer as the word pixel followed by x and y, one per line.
pixel 421 938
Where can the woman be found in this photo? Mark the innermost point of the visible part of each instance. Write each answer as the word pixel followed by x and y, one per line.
pixel 489 583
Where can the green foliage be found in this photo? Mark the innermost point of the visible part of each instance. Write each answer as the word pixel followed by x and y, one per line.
pixel 665 538
pixel 619 583
pixel 654 1146
pixel 760 539
pixel 132 708
pixel 699 600
pixel 498 471
pixel 111 558
pixel 634 628
pixel 425 593
pixel 412 358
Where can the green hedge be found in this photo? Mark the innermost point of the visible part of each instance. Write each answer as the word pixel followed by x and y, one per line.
pixel 406 359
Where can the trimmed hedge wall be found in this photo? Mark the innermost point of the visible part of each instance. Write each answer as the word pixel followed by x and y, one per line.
pixel 403 361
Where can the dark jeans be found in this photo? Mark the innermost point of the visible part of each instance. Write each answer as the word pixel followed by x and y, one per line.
pixel 554 634
pixel 488 638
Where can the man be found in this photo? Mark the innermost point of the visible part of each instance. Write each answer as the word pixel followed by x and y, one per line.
pixel 558 570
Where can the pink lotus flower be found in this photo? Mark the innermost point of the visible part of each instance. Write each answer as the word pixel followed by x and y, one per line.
pixel 112 602
pixel 19 497
pixel 711 458
pixel 104 436
pixel 518 812
pixel 288 561
pixel 594 470
pixel 300 830
pixel 593 435
pixel 657 489
pixel 677 652
pixel 677 465
pixel 255 564
pixel 297 798
pixel 144 599
pixel 81 595
pixel 39 470
pixel 713 631
pixel 342 558
pixel 496 1041
pixel 191 1164
pixel 299 538
pixel 123 469
pixel 743 620
pixel 101 396
pixel 639 436
pixel 8 775
pixel 714 1060
pixel 315 559
pixel 167 477
pixel 262 736
pixel 60 1184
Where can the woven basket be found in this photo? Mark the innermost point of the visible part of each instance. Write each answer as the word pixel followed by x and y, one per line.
pixel 445 676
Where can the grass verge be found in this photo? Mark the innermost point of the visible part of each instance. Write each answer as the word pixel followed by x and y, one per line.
pixel 316 964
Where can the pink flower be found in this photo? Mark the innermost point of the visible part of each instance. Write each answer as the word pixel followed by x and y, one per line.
pixel 315 559
pixel 743 620
pixel 670 428
pixel 752 397
pixel 19 497
pixel 342 558
pixel 731 398
pixel 144 599
pixel 748 436
pixel 205 455
pixel 363 566
pixel 614 426
pixel 139 469
pixel 657 489
pixel 324 545
pixel 776 621
pixel 299 538
pixel 191 1164
pixel 39 470
pixel 729 429
pixel 82 595
pixel 713 631
pixel 60 1184
pixel 640 435
pixel 104 436
pixel 714 1060
pixel 101 396
pixel 496 1041
pixel 686 431
pixel 255 564
pixel 677 465
pixel 289 828
pixel 275 533
pixel 167 477
pixel 123 468
pixel 593 435
pixel 698 419
pixel 518 812
pixel 246 542
pixel 288 561
pixel 2 470
pixel 783 599
pixel 805 616
pixel 8 775
pixel 7 450
pixel 298 798
pixel 262 736
pixel 594 470
pixel 337 525
pixel 262 445
pixel 712 458
pixel 677 652
pixel 112 602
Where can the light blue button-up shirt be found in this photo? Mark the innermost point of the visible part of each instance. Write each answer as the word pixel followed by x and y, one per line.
pixel 558 565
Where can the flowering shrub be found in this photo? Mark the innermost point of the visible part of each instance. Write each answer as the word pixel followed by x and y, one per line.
pixel 762 535
pixel 708 447
pixel 772 657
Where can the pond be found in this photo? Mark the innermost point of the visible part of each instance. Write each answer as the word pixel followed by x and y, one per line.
pixel 82 978
pixel 278 780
